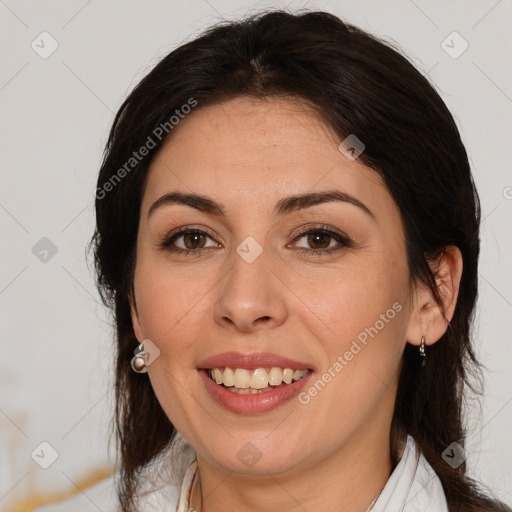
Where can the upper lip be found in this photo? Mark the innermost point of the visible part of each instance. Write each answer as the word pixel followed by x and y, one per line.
pixel 251 361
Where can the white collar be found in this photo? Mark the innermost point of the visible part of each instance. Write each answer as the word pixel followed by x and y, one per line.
pixel 413 485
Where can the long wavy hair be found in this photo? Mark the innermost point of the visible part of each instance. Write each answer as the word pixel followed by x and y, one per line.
pixel 358 85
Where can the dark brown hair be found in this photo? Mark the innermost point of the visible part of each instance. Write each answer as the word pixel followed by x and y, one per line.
pixel 359 85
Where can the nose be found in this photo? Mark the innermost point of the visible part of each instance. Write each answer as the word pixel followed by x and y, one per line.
pixel 250 297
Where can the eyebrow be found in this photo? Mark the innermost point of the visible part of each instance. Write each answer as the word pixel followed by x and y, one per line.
pixel 283 206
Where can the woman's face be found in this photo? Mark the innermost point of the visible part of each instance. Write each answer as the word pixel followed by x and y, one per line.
pixel 262 280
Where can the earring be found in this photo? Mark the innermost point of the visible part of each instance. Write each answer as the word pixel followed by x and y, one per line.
pixel 138 362
pixel 422 351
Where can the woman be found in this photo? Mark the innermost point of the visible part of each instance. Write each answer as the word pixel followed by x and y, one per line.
pixel 287 233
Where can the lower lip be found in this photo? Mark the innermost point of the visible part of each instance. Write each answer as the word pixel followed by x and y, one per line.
pixel 252 403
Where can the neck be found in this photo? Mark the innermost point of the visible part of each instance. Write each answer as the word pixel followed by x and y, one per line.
pixel 353 476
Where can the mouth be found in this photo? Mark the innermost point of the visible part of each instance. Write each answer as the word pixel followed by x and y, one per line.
pixel 257 380
pixel 253 383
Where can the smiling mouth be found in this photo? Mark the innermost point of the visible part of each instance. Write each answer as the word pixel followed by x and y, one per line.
pixel 258 380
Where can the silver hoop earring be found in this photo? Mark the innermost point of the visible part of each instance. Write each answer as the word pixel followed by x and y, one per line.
pixel 138 362
pixel 422 351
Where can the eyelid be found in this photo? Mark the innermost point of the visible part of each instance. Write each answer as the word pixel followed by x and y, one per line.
pixel 303 230
pixel 190 228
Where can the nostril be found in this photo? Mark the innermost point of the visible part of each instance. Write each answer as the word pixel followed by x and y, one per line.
pixel 266 321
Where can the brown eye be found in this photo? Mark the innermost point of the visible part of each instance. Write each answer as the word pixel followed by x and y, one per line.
pixel 188 241
pixel 321 241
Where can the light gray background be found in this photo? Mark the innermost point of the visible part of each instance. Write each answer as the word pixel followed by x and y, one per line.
pixel 56 363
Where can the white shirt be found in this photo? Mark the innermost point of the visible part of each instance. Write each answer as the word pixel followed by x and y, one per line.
pixel 412 487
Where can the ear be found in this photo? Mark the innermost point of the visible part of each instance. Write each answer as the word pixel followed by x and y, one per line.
pixel 137 328
pixel 427 316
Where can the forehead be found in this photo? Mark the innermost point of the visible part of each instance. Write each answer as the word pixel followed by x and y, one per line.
pixel 248 149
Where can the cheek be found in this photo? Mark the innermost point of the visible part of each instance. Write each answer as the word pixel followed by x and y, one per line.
pixel 363 320
pixel 173 307
pixel 340 304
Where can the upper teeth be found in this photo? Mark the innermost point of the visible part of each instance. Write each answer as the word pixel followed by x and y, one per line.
pixel 258 378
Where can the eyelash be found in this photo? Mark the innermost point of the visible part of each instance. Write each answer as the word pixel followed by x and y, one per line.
pixel 343 241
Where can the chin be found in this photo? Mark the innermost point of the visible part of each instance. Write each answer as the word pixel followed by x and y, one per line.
pixel 254 458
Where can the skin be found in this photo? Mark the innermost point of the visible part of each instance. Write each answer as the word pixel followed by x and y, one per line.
pixel 247 154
